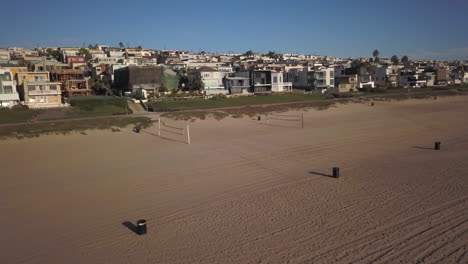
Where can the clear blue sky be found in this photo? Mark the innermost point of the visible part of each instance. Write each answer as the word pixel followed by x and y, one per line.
pixel 417 28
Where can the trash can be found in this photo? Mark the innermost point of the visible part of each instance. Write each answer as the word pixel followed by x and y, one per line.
pixel 141 227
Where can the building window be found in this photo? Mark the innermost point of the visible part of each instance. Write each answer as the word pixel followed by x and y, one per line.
pixel 53 87
pixel 31 88
pixel 7 89
pixel 275 79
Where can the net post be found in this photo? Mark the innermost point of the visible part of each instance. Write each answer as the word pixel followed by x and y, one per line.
pixel 268 119
pixel 302 116
pixel 188 135
pixel 159 126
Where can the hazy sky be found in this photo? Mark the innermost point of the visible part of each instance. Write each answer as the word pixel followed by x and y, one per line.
pixel 353 28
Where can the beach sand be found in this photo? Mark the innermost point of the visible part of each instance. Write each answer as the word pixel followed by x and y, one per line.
pixel 245 191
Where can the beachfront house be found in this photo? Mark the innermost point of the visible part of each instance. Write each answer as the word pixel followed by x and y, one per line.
pixel 73 82
pixel 212 80
pixel 139 80
pixel 237 85
pixel 37 91
pixel 347 83
pixel 9 96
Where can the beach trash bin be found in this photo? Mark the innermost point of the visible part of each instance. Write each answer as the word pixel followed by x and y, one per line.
pixel 437 145
pixel 259 118
pixel 141 227
pixel 336 172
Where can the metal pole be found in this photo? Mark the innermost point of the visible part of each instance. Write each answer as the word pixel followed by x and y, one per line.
pixel 159 126
pixel 302 119
pixel 188 135
pixel 268 119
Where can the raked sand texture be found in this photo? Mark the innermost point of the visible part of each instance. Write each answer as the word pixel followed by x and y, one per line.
pixel 247 192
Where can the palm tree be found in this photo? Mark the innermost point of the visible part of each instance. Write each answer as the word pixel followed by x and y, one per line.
pixel 121 45
pixel 394 60
pixel 376 56
pixel 249 53
pixel 405 60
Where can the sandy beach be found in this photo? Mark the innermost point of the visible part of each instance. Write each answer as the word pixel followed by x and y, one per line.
pixel 245 191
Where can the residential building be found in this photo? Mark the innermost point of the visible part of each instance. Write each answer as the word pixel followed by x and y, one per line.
pixel 9 96
pixel 366 81
pixel 4 55
pixel 266 81
pixel 14 69
pixel 278 85
pixel 465 77
pixel 237 85
pixel 73 82
pixel 212 80
pixel 49 65
pixel 324 78
pixel 348 83
pixel 75 61
pixel 37 91
pixel 260 81
pixel 442 76
pixel 139 79
pixel 411 79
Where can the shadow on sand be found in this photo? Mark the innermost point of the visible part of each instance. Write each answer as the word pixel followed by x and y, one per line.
pixel 418 147
pixel 130 226
pixel 321 174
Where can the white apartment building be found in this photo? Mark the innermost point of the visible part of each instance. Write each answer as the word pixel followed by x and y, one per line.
pixel 212 80
pixel 9 96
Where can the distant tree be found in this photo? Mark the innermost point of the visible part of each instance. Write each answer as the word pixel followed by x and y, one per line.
pixel 96 46
pixel 273 55
pixel 376 56
pixel 249 53
pixel 405 60
pixel 84 52
pixel 394 60
pixel 356 64
pixel 139 47
pixel 188 82
pixel 121 45
pixel 371 60
pixel 101 86
pixel 375 53
pixel 53 53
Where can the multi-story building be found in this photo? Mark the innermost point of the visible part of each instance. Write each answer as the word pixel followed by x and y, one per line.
pixel 366 81
pixel 37 91
pixel 75 61
pixel 72 81
pixel 348 83
pixel 442 75
pixel 237 85
pixel 9 96
pixel 324 78
pixel 212 80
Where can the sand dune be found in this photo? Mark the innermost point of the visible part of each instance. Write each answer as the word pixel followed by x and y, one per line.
pixel 247 192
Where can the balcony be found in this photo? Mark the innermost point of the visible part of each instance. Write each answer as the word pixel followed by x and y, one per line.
pixel 44 92
pixel 9 97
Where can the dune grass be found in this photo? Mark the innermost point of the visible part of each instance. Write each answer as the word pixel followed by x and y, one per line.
pixel 21 131
pixel 234 102
pixel 17 114
pixel 90 106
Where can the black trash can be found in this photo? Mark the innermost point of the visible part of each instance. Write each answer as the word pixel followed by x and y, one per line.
pixel 336 172
pixel 141 227
pixel 437 145
pixel 259 118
